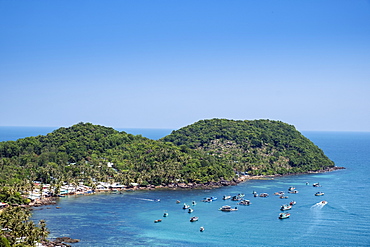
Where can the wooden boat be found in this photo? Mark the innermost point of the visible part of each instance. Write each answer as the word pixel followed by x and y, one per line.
pixel 236 198
pixel 156 221
pixel 227 208
pixel 293 192
pixel 244 202
pixel 264 195
pixel 194 218
pixel 284 215
pixel 319 193
pixel 285 207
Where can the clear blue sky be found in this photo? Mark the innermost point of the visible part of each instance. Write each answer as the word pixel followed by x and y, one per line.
pixel 168 64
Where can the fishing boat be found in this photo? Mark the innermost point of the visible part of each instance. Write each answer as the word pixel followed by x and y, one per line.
pixel 194 218
pixel 186 206
pixel 190 210
pixel 207 199
pixel 292 203
pixel 228 208
pixel 264 195
pixel 236 198
pixel 284 215
pixel 319 193
pixel 293 191
pixel 213 198
pixel 291 188
pixel 226 197
pixel 285 207
pixel 244 202
pixel 156 221
pixel 316 185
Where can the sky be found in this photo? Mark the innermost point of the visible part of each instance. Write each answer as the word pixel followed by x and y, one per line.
pixel 167 64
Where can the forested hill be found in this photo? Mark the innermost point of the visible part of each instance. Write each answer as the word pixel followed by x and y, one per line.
pixel 87 152
pixel 257 147
pixel 206 151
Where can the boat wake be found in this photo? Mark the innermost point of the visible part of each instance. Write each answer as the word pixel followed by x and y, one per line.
pixel 146 199
pixel 319 205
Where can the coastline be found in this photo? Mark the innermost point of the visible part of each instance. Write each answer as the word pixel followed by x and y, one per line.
pixel 183 186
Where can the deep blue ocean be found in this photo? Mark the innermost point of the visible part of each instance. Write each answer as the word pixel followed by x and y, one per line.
pixel 128 219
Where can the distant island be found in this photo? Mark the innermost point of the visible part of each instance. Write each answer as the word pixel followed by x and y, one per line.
pixel 86 158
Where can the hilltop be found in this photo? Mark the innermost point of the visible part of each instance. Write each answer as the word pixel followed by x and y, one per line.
pixel 258 147
pixel 207 151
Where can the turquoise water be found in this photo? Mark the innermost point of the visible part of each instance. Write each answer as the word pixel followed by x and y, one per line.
pixel 128 219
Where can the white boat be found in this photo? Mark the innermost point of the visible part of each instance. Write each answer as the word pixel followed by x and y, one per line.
pixel 285 207
pixel 228 208
pixel 324 202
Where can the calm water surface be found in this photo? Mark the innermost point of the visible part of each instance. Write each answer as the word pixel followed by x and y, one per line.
pixel 127 219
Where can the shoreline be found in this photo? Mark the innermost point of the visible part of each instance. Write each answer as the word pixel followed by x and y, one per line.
pixel 180 186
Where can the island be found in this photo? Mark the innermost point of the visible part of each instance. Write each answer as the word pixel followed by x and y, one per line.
pixel 86 158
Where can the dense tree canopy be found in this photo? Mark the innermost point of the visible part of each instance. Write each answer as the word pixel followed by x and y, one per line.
pixel 209 150
pixel 258 147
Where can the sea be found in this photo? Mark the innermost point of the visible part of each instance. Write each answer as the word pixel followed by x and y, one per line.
pixel 127 219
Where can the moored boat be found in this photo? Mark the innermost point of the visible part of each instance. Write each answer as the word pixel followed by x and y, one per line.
pixel 264 195
pixel 165 214
pixel 159 220
pixel 244 202
pixel 228 208
pixel 190 210
pixel 319 193
pixel 292 203
pixel 186 206
pixel 291 188
pixel 194 218
pixel 284 215
pixel 201 229
pixel 226 197
pixel 285 207
pixel 324 202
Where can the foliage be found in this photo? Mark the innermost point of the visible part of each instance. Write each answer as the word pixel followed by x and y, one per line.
pixel 209 150
pixel 18 229
pixel 259 147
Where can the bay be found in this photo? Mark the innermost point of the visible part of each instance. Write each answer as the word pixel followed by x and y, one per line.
pixel 128 219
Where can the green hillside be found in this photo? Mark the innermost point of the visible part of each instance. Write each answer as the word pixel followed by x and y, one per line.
pixel 206 151
pixel 259 147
